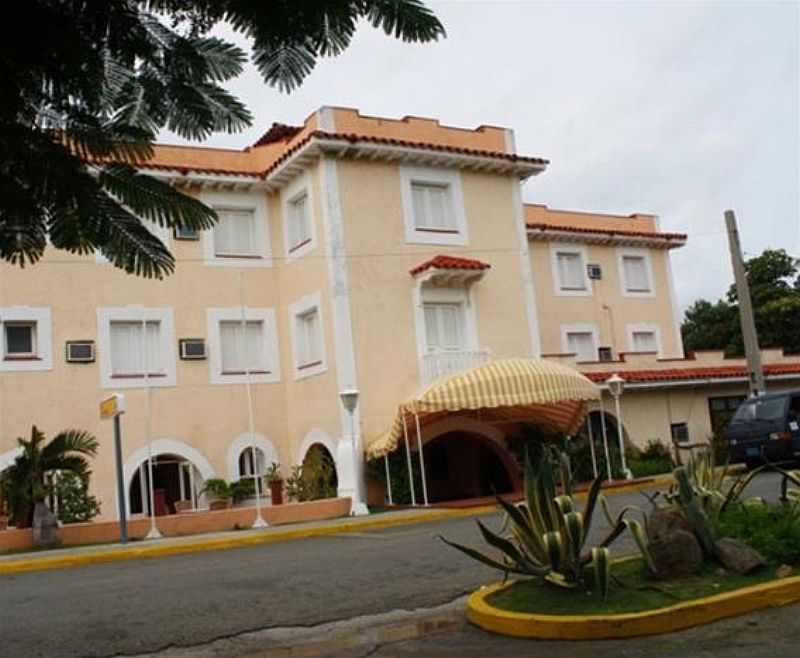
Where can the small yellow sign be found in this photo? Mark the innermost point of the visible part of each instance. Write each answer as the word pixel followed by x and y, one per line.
pixel 113 406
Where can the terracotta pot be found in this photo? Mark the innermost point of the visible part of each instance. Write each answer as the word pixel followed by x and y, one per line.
pixel 376 493
pixel 3 522
pixel 276 491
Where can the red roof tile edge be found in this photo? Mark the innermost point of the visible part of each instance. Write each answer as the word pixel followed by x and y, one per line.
pixel 709 372
pixel 607 231
pixel 444 262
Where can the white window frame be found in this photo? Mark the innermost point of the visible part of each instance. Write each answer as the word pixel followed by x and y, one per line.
pixel 298 188
pixel 622 252
pixel 450 178
pixel 166 345
pixel 580 328
pixel 252 201
pixel 558 288
pixel 214 316
pixel 41 318
pixel 297 309
pixel 630 329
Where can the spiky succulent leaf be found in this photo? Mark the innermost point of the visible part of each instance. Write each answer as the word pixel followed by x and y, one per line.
pixel 601 567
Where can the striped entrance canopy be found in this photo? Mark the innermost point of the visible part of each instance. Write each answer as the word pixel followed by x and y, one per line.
pixel 509 390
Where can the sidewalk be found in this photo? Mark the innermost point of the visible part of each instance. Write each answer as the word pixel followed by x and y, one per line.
pixel 77 556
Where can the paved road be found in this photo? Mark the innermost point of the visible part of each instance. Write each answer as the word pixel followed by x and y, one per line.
pixel 143 606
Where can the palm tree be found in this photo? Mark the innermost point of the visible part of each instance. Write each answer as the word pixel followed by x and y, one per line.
pixel 28 480
pixel 80 114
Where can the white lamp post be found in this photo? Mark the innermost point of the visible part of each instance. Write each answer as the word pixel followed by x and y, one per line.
pixel 350 402
pixel 616 385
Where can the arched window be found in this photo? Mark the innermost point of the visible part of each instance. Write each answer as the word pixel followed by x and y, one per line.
pixel 251 462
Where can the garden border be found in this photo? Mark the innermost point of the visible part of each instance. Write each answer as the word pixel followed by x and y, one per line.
pixel 661 620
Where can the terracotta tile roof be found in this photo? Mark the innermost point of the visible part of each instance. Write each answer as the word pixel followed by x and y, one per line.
pixel 609 232
pixel 185 170
pixel 710 372
pixel 276 133
pixel 442 262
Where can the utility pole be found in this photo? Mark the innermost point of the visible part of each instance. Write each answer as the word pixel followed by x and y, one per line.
pixel 751 351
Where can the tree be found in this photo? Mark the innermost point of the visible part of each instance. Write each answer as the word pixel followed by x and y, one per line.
pixel 87 86
pixel 28 480
pixel 774 281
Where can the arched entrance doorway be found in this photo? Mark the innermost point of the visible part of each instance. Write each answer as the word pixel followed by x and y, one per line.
pixel 176 486
pixel 319 472
pixel 463 465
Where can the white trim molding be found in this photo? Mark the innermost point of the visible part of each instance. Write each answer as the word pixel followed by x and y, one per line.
pixel 295 190
pixel 622 252
pixel 630 329
pixel 528 283
pixel 451 180
pixel 166 345
pixel 42 357
pixel 269 336
pixel 676 319
pixel 570 248
pixel 306 304
pixel 238 200
pixel 242 443
pixel 580 328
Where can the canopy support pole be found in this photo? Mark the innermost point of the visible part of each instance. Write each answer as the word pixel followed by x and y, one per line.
pixel 421 462
pixel 605 436
pixel 388 478
pixel 408 460
pixel 591 443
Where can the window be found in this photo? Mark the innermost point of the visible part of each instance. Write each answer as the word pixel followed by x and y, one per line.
pixel 679 432
pixel 636 277
pixel 308 352
pixel 235 234
pixel 644 341
pixel 239 350
pixel 582 345
pixel 242 346
pixel 131 349
pixel 570 270
pixel 25 339
pixel 251 464
pixel 299 222
pixel 433 207
pixel 240 238
pixel 127 349
pixel 644 338
pixel 308 338
pixel 444 329
pixel 20 340
pixel 568 265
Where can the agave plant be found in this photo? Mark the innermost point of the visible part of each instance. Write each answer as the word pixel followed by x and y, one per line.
pixel 545 535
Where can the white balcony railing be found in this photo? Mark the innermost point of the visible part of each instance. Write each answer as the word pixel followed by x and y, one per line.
pixel 437 364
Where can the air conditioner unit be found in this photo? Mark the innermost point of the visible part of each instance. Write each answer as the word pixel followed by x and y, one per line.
pixel 80 351
pixel 594 271
pixel 186 233
pixel 680 432
pixel 605 354
pixel 192 348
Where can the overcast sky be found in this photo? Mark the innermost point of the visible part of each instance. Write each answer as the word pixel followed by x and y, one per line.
pixel 680 109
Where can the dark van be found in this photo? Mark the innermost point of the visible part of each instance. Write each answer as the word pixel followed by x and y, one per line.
pixel 766 428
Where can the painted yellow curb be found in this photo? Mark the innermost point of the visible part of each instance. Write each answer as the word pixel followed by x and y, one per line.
pixel 633 624
pixel 143 551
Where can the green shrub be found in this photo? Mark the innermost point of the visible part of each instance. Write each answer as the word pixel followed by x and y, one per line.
pixel 73 502
pixel 773 529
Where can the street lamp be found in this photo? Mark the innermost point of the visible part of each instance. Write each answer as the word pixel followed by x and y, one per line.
pixel 616 385
pixel 350 402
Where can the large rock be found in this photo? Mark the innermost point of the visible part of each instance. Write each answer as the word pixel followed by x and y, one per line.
pixel 45 527
pixel 737 556
pixel 664 521
pixel 676 554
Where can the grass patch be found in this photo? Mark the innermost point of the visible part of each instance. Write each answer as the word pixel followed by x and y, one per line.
pixel 637 594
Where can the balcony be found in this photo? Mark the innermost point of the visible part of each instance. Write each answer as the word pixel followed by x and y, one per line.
pixel 438 364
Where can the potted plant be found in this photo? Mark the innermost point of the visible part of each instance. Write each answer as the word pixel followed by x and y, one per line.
pixel 275 480
pixel 219 493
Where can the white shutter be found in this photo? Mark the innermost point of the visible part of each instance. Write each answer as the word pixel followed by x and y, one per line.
pixel 432 208
pixel 235 234
pixel 644 341
pixel 581 343
pixel 635 272
pixel 308 351
pixel 570 270
pixel 299 222
pixel 443 327
pixel 242 351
